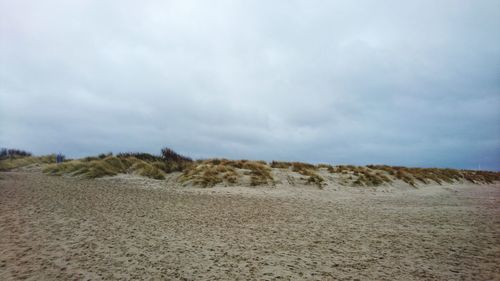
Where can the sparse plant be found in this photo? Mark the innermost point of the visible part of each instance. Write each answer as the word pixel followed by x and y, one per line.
pixel 309 171
pixel 104 155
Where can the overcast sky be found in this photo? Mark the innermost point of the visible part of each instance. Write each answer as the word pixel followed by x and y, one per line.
pixel 412 83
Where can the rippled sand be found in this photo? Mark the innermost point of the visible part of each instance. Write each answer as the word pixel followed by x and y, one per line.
pixel 55 228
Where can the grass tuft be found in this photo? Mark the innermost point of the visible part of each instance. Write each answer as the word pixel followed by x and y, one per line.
pixel 309 171
pixel 208 173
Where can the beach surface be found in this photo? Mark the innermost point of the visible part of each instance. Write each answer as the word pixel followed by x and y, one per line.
pixel 131 228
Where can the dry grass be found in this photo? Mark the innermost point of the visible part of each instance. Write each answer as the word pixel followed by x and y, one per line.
pixel 211 172
pixel 342 169
pixel 108 166
pixel 143 164
pixel 309 171
pixel 413 176
pixel 17 162
pixel 139 155
pixel 208 173
pixel 324 166
pixel 375 175
pixel 300 166
pixel 145 169
pixel 362 176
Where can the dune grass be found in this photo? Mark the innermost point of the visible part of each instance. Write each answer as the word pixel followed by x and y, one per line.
pixel 109 166
pixel 137 163
pixel 364 176
pixel 309 171
pixel 376 175
pixel 305 169
pixel 208 173
pixel 413 176
pixel 22 161
pixel 259 171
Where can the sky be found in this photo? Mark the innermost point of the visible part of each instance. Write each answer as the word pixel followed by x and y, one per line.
pixel 414 83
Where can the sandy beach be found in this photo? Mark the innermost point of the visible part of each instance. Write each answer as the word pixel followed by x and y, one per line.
pixel 57 228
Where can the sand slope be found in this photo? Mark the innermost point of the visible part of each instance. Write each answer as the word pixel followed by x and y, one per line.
pixel 132 228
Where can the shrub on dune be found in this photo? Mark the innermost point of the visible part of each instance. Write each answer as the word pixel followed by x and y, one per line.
pixel 6 153
pixel 281 164
pixel 170 155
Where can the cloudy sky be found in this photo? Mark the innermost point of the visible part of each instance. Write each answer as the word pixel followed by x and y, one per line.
pixel 412 82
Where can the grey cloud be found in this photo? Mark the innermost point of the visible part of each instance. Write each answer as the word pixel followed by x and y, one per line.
pixel 395 82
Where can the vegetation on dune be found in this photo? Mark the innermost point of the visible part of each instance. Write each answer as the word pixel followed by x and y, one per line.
pixel 88 168
pixel 22 161
pixel 324 166
pixel 413 176
pixel 281 165
pixel 165 164
pixel 296 166
pixel 309 171
pixel 108 166
pixel 361 176
pixel 143 164
pixel 149 170
pixel 140 155
pixel 305 169
pixel 169 155
pixel 259 171
pixel 15 158
pixel 376 175
pixel 6 153
pixel 208 173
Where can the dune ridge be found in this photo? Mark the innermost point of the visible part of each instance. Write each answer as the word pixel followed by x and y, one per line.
pixel 224 172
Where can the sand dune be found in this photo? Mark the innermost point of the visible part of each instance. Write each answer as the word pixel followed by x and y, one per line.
pixel 131 228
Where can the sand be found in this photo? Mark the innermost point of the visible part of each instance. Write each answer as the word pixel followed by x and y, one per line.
pixel 127 228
